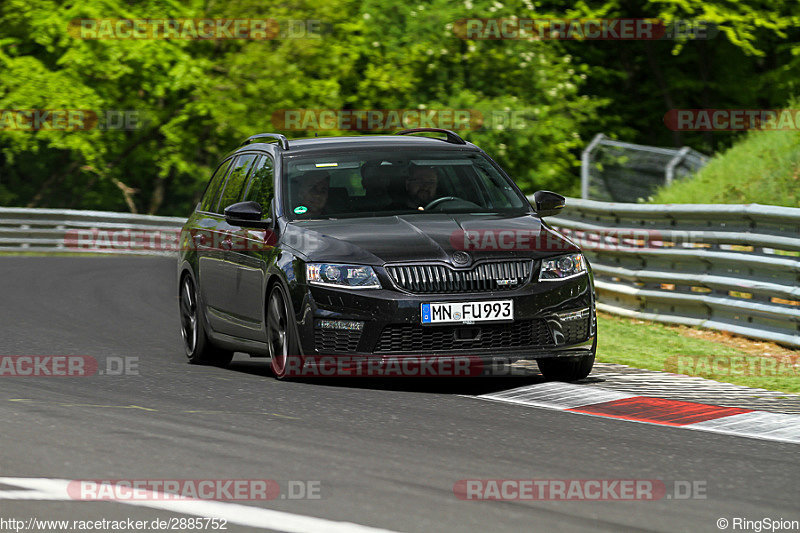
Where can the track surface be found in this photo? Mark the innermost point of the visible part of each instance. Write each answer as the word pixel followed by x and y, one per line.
pixel 386 453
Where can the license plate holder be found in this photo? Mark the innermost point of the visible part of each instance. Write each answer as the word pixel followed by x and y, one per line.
pixel 439 313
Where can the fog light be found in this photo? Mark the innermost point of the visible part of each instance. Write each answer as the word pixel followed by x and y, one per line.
pixel 353 325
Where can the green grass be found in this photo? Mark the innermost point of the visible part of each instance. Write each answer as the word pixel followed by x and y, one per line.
pixel 644 344
pixel 762 168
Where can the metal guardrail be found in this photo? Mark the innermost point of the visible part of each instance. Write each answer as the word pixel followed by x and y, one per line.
pixel 727 267
pixel 73 231
pixel 733 268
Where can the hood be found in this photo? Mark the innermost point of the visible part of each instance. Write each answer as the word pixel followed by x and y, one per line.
pixel 429 237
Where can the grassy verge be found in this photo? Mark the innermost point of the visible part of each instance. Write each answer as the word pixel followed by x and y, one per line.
pixel 645 344
pixel 763 168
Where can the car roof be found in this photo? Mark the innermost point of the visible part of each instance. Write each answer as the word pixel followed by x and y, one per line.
pixel 335 144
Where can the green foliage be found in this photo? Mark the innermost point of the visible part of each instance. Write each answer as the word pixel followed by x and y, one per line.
pixel 751 61
pixel 199 99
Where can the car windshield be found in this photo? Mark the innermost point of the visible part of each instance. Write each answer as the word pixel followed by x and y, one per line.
pixel 386 183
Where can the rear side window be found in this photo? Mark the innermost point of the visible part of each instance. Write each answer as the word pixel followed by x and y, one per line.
pixel 236 180
pixel 212 191
pixel 261 188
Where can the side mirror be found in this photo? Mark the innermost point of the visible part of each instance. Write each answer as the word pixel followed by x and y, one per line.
pixel 246 215
pixel 548 203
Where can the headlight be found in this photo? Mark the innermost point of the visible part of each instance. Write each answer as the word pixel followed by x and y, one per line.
pixel 351 276
pixel 564 266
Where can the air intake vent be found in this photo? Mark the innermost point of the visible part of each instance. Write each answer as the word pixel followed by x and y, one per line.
pixel 527 334
pixel 331 341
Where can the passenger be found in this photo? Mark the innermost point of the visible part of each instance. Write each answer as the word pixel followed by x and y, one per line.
pixel 375 182
pixel 312 193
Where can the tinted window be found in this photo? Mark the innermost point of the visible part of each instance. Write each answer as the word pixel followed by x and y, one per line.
pixel 235 182
pixel 397 182
pixel 212 191
pixel 261 188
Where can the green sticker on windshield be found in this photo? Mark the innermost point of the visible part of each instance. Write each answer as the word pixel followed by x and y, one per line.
pixel 300 209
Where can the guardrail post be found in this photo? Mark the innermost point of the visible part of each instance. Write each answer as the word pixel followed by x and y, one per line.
pixel 669 174
pixel 586 162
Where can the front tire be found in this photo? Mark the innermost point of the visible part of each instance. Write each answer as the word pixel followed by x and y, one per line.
pixel 568 368
pixel 196 344
pixel 284 360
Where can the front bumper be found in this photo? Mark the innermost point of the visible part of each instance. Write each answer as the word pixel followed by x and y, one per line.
pixel 545 323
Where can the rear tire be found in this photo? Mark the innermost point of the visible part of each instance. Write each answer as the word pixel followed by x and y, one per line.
pixel 284 359
pixel 196 344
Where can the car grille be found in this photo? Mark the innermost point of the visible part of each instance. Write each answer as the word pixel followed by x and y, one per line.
pixel 417 338
pixel 330 341
pixel 425 279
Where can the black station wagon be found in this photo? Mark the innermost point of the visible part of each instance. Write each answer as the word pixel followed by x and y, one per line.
pixel 380 249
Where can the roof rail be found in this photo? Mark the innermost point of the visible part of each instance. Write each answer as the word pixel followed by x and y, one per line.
pixel 280 138
pixel 451 136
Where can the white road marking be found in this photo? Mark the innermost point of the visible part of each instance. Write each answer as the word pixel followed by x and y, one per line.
pixel 758 425
pixel 693 389
pixel 555 395
pixel 562 396
pixel 234 513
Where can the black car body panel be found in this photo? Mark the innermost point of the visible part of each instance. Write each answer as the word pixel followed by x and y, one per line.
pixel 235 267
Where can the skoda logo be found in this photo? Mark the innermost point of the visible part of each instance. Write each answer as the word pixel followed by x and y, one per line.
pixel 461 258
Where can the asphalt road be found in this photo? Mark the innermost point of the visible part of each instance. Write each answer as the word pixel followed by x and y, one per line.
pixel 386 453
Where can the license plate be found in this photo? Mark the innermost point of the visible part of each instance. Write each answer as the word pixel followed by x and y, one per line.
pixel 467 312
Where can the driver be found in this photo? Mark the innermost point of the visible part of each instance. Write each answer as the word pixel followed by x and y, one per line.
pixel 421 187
